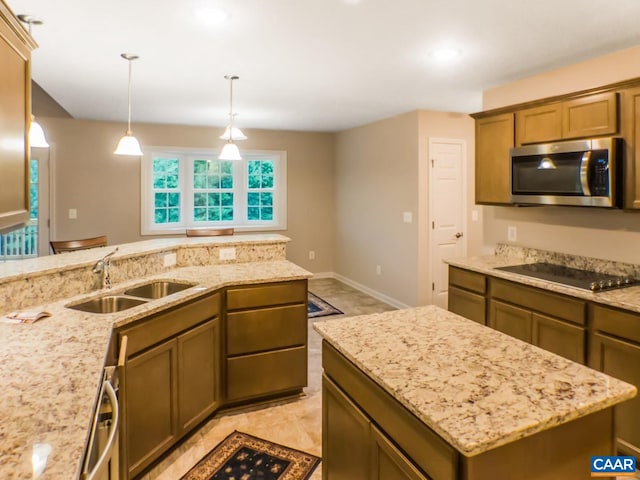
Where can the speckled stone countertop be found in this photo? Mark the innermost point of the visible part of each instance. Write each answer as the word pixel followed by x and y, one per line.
pixel 50 371
pixel 474 386
pixel 627 298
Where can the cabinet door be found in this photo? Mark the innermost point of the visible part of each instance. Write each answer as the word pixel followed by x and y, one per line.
pixel 388 463
pixel 151 404
pixel 494 138
pixel 620 359
pixel 539 124
pixel 590 116
pixel 559 337
pixel 630 114
pixel 346 451
pixel 467 304
pixel 511 320
pixel 198 378
pixel 15 114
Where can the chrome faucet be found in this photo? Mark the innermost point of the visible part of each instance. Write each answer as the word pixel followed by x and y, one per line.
pixel 102 268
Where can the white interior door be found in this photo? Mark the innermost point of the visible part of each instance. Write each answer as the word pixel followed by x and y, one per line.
pixel 447 198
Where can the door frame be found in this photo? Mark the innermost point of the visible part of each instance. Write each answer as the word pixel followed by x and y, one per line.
pixel 432 246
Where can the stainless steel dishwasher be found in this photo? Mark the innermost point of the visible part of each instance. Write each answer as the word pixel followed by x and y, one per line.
pixel 101 459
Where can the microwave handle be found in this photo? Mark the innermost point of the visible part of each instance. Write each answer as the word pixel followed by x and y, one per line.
pixel 584 173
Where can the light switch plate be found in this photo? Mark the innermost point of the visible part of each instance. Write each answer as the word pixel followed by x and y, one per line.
pixel 407 217
pixel 73 214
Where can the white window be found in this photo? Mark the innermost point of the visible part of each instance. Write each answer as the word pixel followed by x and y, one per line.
pixel 185 188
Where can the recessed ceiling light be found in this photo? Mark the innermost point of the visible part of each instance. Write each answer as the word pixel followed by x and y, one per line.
pixel 445 54
pixel 352 2
pixel 211 16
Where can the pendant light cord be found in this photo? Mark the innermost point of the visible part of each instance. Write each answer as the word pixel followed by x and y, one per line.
pixel 129 99
pixel 231 78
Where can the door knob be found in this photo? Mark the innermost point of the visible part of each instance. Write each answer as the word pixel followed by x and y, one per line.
pixel 459 234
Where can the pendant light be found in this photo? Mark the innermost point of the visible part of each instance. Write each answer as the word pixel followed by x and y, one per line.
pixel 230 150
pixel 37 137
pixel 128 144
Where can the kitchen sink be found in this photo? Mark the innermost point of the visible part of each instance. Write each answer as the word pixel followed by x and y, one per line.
pixel 108 304
pixel 157 289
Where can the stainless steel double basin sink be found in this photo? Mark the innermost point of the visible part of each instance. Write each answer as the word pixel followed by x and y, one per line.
pixel 132 297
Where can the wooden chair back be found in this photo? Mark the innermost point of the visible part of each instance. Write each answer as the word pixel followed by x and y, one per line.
pixel 82 244
pixel 209 232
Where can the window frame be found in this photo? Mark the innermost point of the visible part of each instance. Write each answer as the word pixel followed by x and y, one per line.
pixel 186 156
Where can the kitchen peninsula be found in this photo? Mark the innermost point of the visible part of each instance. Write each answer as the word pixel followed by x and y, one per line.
pixel 51 371
pixel 424 393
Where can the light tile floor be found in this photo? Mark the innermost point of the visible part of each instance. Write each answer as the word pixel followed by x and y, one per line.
pixel 296 423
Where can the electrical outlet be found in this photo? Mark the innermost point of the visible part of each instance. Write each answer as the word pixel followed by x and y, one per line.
pixel 312 255
pixel 378 270
pixel 228 253
pixel 512 234
pixel 407 217
pixel 474 215
pixel 170 259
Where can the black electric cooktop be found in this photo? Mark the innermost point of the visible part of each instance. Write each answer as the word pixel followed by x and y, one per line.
pixel 574 277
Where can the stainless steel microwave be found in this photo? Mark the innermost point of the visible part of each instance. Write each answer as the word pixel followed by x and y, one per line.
pixel 580 173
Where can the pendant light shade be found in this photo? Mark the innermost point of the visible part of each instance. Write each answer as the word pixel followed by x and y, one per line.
pixel 128 144
pixel 230 151
pixel 237 134
pixel 36 135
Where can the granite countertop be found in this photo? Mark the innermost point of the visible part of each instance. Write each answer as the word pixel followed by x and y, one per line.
pixel 474 386
pixel 627 298
pixel 51 371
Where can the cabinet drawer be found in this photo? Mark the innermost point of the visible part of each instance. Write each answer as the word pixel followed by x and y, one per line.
pixel 559 306
pixel 467 304
pixel 267 295
pixel 266 329
pixel 476 282
pixel 266 373
pixel 429 452
pixel 616 322
pixel 166 325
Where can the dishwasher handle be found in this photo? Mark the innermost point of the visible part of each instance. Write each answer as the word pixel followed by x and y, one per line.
pixel 106 454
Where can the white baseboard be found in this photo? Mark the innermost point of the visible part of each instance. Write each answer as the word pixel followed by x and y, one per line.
pixel 364 289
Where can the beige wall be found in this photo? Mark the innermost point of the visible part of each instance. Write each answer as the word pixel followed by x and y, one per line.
pixel 105 188
pixel 608 234
pixel 381 172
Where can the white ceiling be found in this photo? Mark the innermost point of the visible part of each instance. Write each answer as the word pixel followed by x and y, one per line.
pixel 322 65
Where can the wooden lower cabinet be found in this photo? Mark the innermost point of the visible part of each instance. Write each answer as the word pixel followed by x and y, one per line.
pixel 559 337
pixel 509 319
pixel 346 436
pixel 614 348
pixel 467 292
pixel 265 341
pixel 198 374
pixel 353 447
pixel 151 421
pixel 387 462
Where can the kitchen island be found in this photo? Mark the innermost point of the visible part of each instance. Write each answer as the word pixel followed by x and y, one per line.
pixel 424 393
pixel 51 370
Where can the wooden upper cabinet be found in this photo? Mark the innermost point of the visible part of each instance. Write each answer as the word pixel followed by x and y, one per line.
pixel 494 138
pixel 15 117
pixel 539 124
pixel 630 122
pixel 583 117
pixel 590 116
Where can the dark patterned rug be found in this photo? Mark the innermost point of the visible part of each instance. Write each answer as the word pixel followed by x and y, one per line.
pixel 241 456
pixel 317 307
